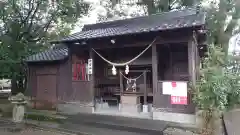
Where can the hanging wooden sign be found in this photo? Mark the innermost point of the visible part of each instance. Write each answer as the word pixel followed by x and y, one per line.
pixel 90 68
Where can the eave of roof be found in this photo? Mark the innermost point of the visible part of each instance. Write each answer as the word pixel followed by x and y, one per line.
pixel 48 55
pixel 159 22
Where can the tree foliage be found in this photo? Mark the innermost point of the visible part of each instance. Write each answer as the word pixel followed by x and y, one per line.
pixel 218 87
pixel 120 9
pixel 26 27
pixel 223 21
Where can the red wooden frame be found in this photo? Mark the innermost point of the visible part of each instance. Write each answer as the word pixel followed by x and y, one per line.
pixel 79 71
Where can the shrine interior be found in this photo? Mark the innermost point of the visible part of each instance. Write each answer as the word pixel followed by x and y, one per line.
pixel 107 85
pixel 172 64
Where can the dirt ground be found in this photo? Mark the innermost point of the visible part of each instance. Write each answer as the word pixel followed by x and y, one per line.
pixel 31 131
pixel 175 131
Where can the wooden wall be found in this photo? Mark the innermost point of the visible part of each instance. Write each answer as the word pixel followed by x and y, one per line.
pixel 175 63
pixel 81 91
pixel 42 85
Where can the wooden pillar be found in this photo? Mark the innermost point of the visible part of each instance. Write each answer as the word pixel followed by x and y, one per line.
pixel 192 60
pixel 70 77
pixel 121 82
pixel 145 87
pixel 154 72
pixel 91 76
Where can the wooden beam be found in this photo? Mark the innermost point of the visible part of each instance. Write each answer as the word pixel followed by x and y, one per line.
pixel 137 71
pixel 70 74
pixel 145 88
pixel 154 71
pixel 91 77
pixel 192 59
pixel 137 43
pixel 121 83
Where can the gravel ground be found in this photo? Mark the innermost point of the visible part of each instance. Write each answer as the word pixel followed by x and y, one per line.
pixel 31 131
pixel 175 131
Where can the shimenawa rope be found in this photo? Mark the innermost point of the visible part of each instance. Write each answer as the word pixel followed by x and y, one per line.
pixel 128 62
pixel 132 78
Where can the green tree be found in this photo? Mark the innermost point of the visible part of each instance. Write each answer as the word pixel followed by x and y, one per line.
pixel 27 26
pixel 120 9
pixel 223 18
pixel 218 88
pixel 158 6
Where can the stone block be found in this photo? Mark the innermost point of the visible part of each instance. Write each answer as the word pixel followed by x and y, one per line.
pixel 18 113
pixel 130 99
pixel 130 108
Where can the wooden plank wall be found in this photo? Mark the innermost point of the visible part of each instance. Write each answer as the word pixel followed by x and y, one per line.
pixel 180 65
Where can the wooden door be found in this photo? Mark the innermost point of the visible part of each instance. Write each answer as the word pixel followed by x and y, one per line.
pixel 46 91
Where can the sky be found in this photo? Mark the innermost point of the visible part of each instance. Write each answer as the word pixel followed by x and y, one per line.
pixel 98 8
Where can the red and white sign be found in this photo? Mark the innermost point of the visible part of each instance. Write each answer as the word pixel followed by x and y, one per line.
pixel 177 90
pixel 180 100
pixel 179 93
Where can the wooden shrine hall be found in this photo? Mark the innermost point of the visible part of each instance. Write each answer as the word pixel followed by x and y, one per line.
pixel 138 67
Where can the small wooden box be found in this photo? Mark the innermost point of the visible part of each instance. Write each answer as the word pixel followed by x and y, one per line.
pixel 130 99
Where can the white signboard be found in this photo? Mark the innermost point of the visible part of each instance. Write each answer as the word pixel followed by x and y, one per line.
pixel 177 90
pixel 179 93
pixel 167 88
pixel 90 68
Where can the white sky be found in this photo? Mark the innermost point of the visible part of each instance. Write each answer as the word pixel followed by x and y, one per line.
pixel 98 8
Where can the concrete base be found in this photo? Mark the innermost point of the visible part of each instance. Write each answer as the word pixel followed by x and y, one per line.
pixel 119 106
pixel 145 109
pixel 232 122
pixel 102 106
pixel 74 108
pixel 130 99
pixel 150 107
pixel 174 117
pixel 129 108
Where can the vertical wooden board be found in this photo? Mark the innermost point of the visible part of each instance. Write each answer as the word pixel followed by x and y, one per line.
pixel 92 76
pixel 46 89
pixel 155 75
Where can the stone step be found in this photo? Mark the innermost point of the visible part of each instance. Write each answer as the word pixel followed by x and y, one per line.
pixel 118 122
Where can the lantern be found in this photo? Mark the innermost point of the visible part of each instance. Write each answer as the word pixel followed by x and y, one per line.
pixel 127 69
pixel 114 71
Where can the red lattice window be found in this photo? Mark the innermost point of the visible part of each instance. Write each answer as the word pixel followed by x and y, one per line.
pixel 79 71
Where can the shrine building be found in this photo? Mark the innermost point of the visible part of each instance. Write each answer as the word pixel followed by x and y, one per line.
pixel 139 67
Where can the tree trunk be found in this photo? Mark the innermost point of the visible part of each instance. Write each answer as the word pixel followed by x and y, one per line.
pixel 14 89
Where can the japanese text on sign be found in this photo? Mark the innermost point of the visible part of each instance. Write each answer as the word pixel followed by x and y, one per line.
pixel 90 66
pixel 179 93
pixel 177 90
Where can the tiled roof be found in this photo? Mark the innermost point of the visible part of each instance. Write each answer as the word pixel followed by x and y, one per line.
pixel 49 55
pixel 158 22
